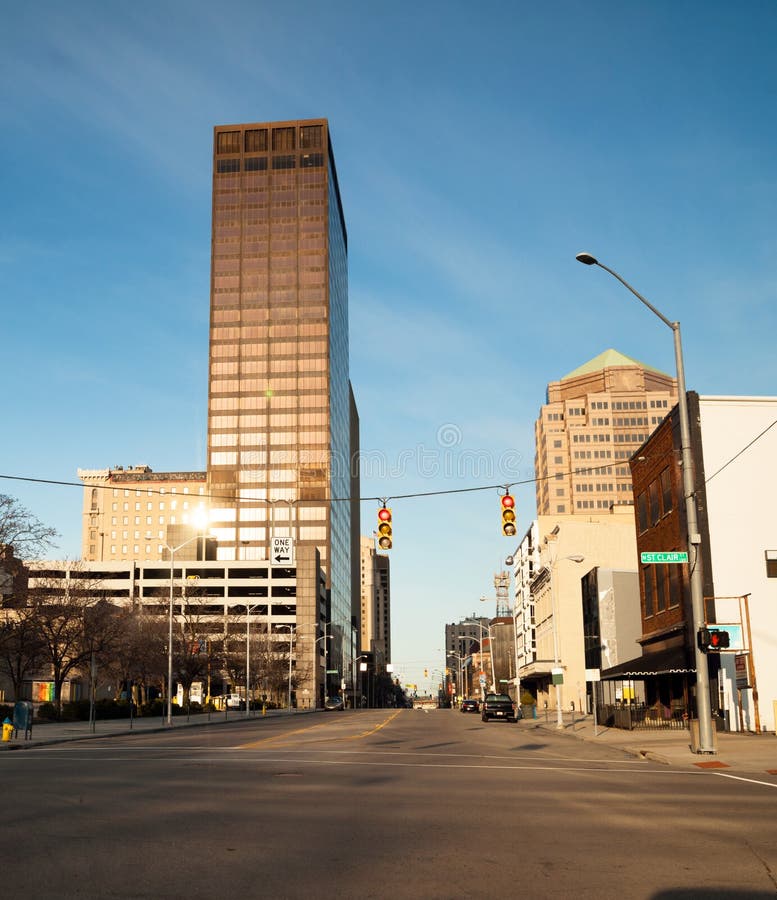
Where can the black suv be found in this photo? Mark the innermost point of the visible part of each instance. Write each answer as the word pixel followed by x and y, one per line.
pixel 498 706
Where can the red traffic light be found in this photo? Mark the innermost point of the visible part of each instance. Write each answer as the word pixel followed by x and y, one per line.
pixel 385 537
pixel 508 515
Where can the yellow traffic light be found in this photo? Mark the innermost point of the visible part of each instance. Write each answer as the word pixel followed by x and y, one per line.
pixel 385 541
pixel 508 515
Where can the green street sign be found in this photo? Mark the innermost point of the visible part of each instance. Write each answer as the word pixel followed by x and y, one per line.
pixel 661 556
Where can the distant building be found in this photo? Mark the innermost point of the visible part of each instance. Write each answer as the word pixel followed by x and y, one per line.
pixel 375 612
pixel 132 513
pixel 593 420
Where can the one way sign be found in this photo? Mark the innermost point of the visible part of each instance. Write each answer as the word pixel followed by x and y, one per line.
pixel 282 551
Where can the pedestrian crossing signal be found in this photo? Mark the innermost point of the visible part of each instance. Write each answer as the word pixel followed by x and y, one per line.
pixel 385 541
pixel 508 515
pixel 713 639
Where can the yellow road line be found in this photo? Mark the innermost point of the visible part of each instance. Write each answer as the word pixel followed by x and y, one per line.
pixel 355 737
pixel 276 737
pixel 288 734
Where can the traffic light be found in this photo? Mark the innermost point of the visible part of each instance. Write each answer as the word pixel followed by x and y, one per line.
pixel 426 673
pixel 508 515
pixel 713 639
pixel 385 541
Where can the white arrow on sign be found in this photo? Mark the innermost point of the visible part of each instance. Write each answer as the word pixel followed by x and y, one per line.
pixel 282 551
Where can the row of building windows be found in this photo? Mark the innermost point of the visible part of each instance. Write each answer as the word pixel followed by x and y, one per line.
pixel 255 140
pixel 630 438
pixel 259 163
pixel 127 492
pixel 584 438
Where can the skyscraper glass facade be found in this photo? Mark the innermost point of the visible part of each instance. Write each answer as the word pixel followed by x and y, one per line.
pixel 278 416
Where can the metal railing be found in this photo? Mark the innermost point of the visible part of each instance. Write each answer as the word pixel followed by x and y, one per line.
pixel 638 716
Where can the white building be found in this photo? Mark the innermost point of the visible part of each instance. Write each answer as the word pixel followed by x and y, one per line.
pixel 739 442
pixel 550 563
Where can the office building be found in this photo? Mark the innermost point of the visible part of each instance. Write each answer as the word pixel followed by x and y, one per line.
pixel 133 513
pixel 280 409
pixel 593 420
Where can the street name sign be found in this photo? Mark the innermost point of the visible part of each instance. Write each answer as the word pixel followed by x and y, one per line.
pixel 662 556
pixel 282 551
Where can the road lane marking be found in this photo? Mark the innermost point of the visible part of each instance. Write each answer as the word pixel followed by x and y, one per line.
pixel 354 737
pixel 749 780
pixel 275 737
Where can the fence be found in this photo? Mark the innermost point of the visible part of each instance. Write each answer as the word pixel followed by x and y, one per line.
pixel 638 716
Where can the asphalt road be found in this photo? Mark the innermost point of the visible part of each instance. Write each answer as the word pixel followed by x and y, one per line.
pixel 376 804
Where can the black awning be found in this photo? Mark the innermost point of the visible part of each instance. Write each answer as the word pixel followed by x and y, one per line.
pixel 670 661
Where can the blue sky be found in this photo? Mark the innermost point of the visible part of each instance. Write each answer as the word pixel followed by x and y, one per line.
pixel 479 147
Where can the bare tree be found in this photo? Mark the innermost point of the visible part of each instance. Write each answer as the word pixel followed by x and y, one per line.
pixel 20 529
pixel 73 626
pixel 21 647
pixel 140 652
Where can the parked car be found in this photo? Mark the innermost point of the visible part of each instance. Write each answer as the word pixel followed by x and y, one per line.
pixel 470 705
pixel 332 703
pixel 499 706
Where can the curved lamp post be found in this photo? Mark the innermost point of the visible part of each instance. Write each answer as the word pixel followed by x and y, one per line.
pixel 292 630
pixel 575 558
pixel 490 646
pixel 703 705
pixel 172 551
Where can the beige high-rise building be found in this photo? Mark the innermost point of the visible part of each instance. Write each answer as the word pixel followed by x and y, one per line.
pixel 134 512
pixel 594 419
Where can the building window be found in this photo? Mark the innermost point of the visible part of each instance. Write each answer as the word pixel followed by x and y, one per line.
pixel 642 512
pixel 228 142
pixel 311 136
pixel 227 165
pixel 283 138
pixel 666 490
pixel 283 162
pixel 256 140
pixel 647 578
pixel 255 163
pixel 311 160
pixel 655 503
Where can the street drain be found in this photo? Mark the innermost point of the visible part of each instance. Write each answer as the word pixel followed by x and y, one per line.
pixel 288 774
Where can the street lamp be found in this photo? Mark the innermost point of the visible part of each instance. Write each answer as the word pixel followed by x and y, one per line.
pixel 249 610
pixel 363 656
pixel 292 629
pixel 172 551
pixel 324 637
pixel 511 607
pixel 490 646
pixel 703 705
pixel 460 659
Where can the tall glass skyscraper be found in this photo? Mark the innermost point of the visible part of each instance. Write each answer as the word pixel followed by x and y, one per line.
pixel 280 412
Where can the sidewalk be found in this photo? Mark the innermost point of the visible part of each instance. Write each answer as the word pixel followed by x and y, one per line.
pixel 46 733
pixel 737 751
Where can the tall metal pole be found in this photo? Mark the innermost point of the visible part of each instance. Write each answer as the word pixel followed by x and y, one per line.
pixel 703 705
pixel 170 640
pixel 556 661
